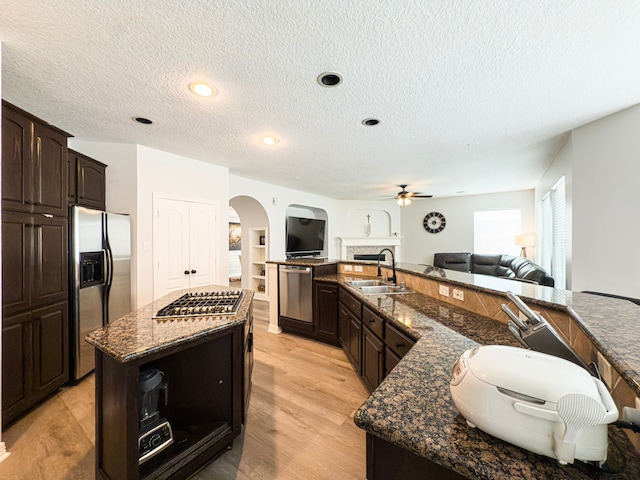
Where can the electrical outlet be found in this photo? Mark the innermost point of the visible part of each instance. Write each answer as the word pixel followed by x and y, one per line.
pixel 442 290
pixel 348 268
pixel 458 294
pixel 444 312
pixel 358 268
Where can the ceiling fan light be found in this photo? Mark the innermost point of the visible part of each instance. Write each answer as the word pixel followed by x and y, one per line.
pixel 404 201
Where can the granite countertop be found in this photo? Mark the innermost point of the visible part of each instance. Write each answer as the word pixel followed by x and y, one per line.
pixel 139 334
pixel 413 409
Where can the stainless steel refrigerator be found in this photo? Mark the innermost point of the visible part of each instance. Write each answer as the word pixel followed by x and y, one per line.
pixel 100 270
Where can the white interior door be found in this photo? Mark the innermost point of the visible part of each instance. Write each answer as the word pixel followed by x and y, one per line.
pixel 184 245
pixel 171 246
pixel 202 236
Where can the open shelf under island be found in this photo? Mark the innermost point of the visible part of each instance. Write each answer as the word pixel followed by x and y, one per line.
pixel 206 361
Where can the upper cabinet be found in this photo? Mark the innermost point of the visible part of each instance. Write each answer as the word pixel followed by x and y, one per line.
pixel 34 164
pixel 86 181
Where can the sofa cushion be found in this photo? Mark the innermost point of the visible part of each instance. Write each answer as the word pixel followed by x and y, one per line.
pixel 453 261
pixel 485 264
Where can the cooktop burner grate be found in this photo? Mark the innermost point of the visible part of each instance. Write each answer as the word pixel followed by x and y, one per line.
pixel 200 304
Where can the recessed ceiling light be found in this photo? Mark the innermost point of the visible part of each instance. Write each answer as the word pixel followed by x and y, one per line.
pixel 202 89
pixel 329 79
pixel 270 140
pixel 370 122
pixel 144 121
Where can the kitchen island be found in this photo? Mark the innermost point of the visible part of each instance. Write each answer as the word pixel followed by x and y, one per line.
pixel 413 428
pixel 203 359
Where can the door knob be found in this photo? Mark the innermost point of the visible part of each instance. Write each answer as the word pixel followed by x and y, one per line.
pixel 186 272
pixel 193 271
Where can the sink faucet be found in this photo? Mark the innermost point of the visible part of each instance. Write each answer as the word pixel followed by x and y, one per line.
pixel 393 265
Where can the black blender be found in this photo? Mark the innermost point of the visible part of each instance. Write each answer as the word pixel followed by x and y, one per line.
pixel 155 431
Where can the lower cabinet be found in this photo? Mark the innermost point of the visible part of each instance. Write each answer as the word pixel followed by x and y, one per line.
pixel 372 344
pixel 326 314
pixel 247 364
pixel 372 359
pixel 35 357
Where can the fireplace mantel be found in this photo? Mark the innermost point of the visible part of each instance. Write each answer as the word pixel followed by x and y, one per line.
pixel 381 242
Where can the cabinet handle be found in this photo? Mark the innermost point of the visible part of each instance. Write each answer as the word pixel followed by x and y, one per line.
pixel 193 271
pixel 186 272
pixel 398 345
pixel 371 320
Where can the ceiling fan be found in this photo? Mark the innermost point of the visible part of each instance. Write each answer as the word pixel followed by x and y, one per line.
pixel 404 197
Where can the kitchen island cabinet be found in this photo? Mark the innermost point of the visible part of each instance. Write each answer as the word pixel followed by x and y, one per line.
pixel 202 358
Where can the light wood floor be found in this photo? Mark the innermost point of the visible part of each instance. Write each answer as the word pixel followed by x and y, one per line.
pixel 300 423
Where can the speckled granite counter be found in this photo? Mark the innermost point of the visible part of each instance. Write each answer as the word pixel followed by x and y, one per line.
pixel 138 333
pixel 413 409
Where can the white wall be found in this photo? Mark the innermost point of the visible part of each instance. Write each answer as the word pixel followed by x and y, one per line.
pixel 606 198
pixel 134 174
pixel 121 188
pixel 562 165
pixel 174 176
pixel 275 200
pixel 418 245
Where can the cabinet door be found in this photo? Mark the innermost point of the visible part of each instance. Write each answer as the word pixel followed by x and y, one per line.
pixel 17 367
pixel 355 336
pixel 50 348
pixel 16 161
pixel 326 321
pixel 72 177
pixel 343 327
pixel 50 171
pixel 17 241
pixel 91 183
pixel 50 260
pixel 372 359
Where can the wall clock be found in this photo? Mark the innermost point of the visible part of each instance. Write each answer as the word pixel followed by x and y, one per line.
pixel 434 222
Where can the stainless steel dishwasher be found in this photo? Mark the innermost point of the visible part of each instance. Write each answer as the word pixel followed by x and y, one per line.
pixel 295 293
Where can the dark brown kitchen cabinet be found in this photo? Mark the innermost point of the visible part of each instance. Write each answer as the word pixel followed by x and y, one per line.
pixel 35 360
pixel 87 181
pixel 372 359
pixel 247 363
pixel 34 164
pixel 327 311
pixel 350 313
pixel 34 261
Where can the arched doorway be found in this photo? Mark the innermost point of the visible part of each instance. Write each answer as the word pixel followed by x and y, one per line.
pixel 254 244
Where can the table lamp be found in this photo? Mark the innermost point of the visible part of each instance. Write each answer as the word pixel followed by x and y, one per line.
pixel 525 241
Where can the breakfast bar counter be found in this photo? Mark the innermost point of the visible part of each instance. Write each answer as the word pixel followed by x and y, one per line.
pixel 413 427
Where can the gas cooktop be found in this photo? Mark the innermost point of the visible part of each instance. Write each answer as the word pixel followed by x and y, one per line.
pixel 225 302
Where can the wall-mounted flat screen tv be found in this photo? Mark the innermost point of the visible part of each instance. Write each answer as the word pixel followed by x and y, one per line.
pixel 305 236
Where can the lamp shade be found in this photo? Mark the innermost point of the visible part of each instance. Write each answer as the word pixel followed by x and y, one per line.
pixel 525 240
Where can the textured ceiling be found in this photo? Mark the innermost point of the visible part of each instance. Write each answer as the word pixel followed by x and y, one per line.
pixel 473 96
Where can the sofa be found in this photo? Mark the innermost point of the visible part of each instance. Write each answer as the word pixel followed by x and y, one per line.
pixel 506 266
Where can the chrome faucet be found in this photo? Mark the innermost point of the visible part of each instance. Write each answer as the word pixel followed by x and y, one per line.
pixel 393 265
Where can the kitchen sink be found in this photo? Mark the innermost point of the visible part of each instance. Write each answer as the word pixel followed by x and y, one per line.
pixel 372 290
pixel 365 283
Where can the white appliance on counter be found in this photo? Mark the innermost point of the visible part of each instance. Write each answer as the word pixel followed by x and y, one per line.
pixel 536 401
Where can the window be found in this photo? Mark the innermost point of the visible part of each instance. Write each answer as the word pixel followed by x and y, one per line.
pixel 494 231
pixel 552 238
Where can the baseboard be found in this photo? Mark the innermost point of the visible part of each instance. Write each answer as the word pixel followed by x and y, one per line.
pixel 3 451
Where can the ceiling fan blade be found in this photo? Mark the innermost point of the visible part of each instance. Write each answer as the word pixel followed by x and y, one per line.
pixel 422 196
